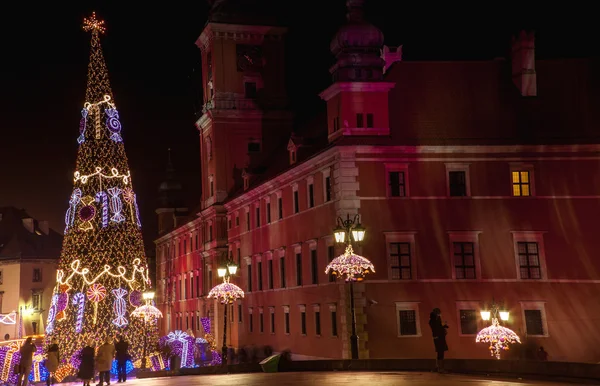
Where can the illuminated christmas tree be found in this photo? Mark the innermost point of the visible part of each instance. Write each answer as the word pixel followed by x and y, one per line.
pixel 102 270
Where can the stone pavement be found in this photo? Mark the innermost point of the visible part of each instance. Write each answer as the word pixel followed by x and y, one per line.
pixel 338 378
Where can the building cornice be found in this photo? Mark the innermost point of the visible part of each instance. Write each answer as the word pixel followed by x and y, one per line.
pixel 191 225
pixel 251 33
pixel 339 87
pixel 482 149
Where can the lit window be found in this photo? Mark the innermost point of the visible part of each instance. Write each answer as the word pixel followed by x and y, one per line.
pixel 521 183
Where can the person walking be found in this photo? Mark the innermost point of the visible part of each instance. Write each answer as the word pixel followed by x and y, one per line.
pixel 439 331
pixel 122 356
pixel 104 359
pixel 26 352
pixel 86 368
pixel 52 361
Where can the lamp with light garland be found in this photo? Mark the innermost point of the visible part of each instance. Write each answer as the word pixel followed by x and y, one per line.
pixel 102 267
pixel 498 337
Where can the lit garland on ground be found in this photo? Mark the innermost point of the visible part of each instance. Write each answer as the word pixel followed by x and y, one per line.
pixel 103 250
pixel 498 337
pixel 354 267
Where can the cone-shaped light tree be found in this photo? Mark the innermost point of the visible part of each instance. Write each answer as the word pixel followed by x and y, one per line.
pixel 102 270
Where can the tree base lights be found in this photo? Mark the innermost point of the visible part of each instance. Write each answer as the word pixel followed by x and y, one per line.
pixel 498 337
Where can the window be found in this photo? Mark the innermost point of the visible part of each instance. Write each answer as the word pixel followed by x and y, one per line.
pixel 327 189
pixel 334 331
pixel 259 275
pixel 250 90
pixel 457 181
pixel 369 120
pixel 261 322
pixel 314 267
pixel 270 273
pixel 521 182
pixel 311 196
pixel 248 220
pixel 336 124
pixel 249 278
pixel 280 207
pixel 239 256
pixel 37 275
pixel 212 188
pixel 229 223
pixel 210 233
pixel 298 269
pixel 34 325
pixel 330 257
pixel 464 260
pixel 250 321
pixel 36 301
pixel 198 286
pixel 1 278
pixel 237 220
pixel 268 212
pixel 468 322
pixel 303 322
pixel 400 261
pixel 407 314
pixel 534 319
pixel 239 311
pixel 360 120
pixel 397 186
pixel 282 271
pixel 230 313
pixel 296 204
pixel 318 323
pixel 187 321
pixel 529 260
pixel 272 315
pixel 184 247
pixel 257 211
pixel 253 147
pixel 191 285
pixel 210 279
pixel 286 321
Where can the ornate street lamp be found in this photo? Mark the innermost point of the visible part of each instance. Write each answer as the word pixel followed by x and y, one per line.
pixel 148 312
pixel 497 336
pixel 226 293
pixel 350 265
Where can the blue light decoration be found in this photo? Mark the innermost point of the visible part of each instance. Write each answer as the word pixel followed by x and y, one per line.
pixel 52 314
pixel 116 206
pixel 120 307
pixel 71 212
pixel 82 125
pixel 79 302
pixel 128 367
pixel 137 211
pixel 113 124
pixel 102 198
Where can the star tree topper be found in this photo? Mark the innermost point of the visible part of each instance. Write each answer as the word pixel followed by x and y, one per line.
pixel 93 25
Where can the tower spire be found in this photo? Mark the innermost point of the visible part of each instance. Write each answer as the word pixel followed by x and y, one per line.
pixel 98 84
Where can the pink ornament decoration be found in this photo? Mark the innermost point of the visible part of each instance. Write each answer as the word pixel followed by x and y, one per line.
pixel 96 293
pixel 498 337
pixel 120 307
pixel 354 267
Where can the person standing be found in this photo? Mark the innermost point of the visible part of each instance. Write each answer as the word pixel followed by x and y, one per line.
pixel 104 358
pixel 52 361
pixel 439 331
pixel 122 356
pixel 26 352
pixel 86 368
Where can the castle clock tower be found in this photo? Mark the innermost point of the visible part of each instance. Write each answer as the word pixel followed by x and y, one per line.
pixel 244 106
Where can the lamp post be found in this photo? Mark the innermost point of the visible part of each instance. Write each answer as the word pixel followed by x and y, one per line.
pixel 226 293
pixel 498 337
pixel 351 265
pixel 148 297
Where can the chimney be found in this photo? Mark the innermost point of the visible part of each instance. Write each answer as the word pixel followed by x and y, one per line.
pixel 390 55
pixel 523 63
pixel 28 224
pixel 44 227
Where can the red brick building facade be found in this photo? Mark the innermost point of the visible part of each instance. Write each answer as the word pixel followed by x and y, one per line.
pixel 476 182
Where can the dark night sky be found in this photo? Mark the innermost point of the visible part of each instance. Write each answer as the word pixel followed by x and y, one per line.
pixel 151 58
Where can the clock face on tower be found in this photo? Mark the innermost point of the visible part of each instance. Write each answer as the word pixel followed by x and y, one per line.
pixel 249 57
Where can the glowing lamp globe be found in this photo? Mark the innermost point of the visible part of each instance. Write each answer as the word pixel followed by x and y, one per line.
pixel 232 269
pixel 485 315
pixel 148 295
pixel 358 233
pixel 340 234
pixel 504 315
pixel 221 272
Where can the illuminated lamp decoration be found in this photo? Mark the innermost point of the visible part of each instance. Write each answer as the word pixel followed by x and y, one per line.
pixel 87 213
pixel 128 367
pixel 82 125
pixel 148 312
pixel 120 307
pixel 39 372
pixel 135 298
pixel 95 294
pixel 353 267
pixel 10 318
pixel 79 302
pixel 73 202
pixel 226 293
pixel 108 255
pixel 102 198
pixel 113 124
pixel 498 337
pixel 182 345
pixel 116 206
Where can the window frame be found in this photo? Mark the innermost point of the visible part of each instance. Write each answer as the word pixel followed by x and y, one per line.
pixel 522 167
pixel 314 268
pixel 465 237
pixel 539 306
pixel 286 320
pixel 326 173
pixel 530 237
pixel 408 306
pixel 397 167
pixel 401 237
pixel 303 327
pixel 317 320
pixel 468 305
pixel 458 167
